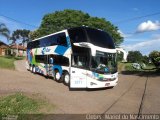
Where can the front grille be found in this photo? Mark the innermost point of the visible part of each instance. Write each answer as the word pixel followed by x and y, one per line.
pixel 107 79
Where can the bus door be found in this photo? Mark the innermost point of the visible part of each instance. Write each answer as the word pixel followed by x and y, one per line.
pixel 78 72
pixel 49 65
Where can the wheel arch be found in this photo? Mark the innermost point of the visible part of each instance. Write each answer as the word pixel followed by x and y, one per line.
pixel 58 68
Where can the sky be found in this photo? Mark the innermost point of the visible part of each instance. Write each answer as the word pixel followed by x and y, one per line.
pixel 138 21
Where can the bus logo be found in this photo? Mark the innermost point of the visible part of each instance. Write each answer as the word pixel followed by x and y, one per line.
pixel 44 50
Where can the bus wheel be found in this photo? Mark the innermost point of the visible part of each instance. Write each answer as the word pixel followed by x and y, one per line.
pixel 30 68
pixel 34 69
pixel 57 76
pixel 66 78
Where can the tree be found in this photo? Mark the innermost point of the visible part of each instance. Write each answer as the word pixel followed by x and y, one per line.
pixel 155 57
pixel 73 18
pixel 21 35
pixel 145 59
pixel 4 31
pixel 120 56
pixel 134 56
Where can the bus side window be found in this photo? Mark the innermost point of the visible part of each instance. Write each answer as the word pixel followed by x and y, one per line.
pixel 79 61
pixel 61 39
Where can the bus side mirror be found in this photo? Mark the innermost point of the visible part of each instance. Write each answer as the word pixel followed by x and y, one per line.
pixel 51 61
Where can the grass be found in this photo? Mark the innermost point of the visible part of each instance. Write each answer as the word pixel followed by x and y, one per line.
pixel 17 103
pixel 7 62
pixel 150 66
pixel 128 67
pixel 120 66
pixel 21 104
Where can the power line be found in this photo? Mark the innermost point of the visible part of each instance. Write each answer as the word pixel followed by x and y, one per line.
pixel 17 21
pixel 136 18
pixel 117 22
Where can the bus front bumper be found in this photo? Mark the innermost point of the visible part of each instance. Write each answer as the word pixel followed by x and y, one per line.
pixel 101 84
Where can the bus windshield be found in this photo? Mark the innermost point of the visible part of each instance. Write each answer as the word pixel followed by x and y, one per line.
pixel 100 38
pixel 90 35
pixel 104 63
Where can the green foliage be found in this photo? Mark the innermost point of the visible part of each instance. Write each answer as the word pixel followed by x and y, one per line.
pixel 7 62
pixel 73 18
pixel 121 66
pixel 22 35
pixel 4 31
pixel 155 57
pixel 134 56
pixel 17 103
pixel 119 56
pixel 145 59
pixel 22 105
pixel 129 67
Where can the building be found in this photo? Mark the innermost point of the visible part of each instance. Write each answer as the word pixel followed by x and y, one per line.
pixel 3 49
pixel 21 50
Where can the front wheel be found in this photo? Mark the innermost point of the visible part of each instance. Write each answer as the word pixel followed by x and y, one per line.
pixel 66 78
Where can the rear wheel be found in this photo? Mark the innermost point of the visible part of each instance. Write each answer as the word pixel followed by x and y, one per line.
pixel 34 69
pixel 30 68
pixel 57 76
pixel 66 78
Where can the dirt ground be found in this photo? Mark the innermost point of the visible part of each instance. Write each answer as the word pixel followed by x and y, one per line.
pixel 127 97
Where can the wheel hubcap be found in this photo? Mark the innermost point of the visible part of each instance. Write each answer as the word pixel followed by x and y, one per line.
pixel 30 68
pixel 57 76
pixel 34 69
pixel 66 78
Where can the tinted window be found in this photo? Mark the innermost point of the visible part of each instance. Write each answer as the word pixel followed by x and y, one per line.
pixel 81 57
pixel 77 35
pixel 60 60
pixel 33 44
pixel 100 38
pixel 80 61
pixel 29 45
pixel 41 58
pixel 58 39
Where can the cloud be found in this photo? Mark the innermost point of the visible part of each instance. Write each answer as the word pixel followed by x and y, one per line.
pixel 121 33
pixel 148 26
pixel 124 35
pixel 144 47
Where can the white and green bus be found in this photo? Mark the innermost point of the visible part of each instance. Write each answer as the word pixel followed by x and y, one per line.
pixel 80 57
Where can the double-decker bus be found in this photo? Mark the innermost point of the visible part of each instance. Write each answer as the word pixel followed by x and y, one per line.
pixel 80 57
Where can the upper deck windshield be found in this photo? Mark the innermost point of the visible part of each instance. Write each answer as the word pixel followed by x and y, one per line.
pixel 93 36
pixel 100 38
pixel 104 63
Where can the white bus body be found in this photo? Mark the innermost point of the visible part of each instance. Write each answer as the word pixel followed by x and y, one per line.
pixel 80 57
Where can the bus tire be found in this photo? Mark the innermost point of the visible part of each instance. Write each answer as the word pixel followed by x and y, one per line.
pixel 66 78
pixel 30 68
pixel 57 76
pixel 34 69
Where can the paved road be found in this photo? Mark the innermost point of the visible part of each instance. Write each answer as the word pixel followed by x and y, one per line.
pixel 126 97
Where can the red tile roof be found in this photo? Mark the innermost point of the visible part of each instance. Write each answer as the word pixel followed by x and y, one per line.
pixel 3 45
